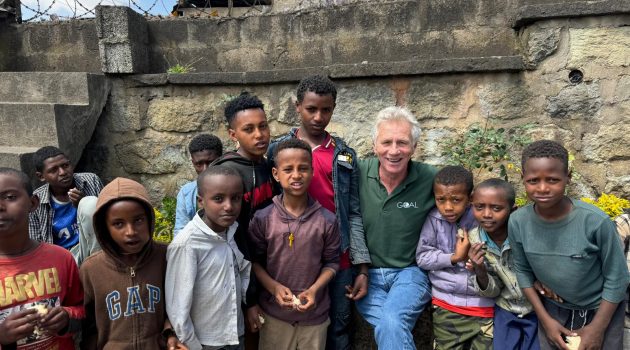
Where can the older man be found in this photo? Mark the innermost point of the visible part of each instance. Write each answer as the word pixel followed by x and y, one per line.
pixel 396 195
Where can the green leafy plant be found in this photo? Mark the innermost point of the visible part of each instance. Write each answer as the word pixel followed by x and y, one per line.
pixel 165 220
pixel 182 68
pixel 609 204
pixel 487 148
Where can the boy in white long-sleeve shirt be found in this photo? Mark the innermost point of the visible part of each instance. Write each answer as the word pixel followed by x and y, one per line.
pixel 207 276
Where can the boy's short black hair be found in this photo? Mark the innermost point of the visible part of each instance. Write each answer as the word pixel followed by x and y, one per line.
pixel 292 143
pixel 44 153
pixel 318 84
pixel 510 194
pixel 24 179
pixel 454 175
pixel 215 170
pixel 240 103
pixel 205 142
pixel 546 149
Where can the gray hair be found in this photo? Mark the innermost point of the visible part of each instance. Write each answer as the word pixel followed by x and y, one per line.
pixel 397 113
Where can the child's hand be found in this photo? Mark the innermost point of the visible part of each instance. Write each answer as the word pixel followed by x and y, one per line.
pixel 253 318
pixel 56 320
pixel 462 246
pixel 554 332
pixel 284 296
pixel 307 300
pixel 18 325
pixel 359 289
pixel 547 292
pixel 173 344
pixel 592 337
pixel 476 255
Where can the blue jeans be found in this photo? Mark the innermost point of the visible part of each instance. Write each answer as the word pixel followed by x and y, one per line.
pixel 395 300
pixel 513 332
pixel 338 337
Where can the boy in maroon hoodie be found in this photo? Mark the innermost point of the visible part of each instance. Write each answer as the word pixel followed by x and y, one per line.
pixel 295 255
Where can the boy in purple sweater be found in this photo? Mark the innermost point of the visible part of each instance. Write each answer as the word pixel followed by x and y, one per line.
pixel 295 254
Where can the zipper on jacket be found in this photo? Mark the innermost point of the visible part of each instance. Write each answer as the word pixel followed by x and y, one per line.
pixel 132 272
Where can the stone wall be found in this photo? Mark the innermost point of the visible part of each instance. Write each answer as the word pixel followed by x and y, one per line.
pixel 453 62
pixel 149 119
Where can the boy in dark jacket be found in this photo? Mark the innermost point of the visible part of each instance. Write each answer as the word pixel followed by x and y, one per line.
pixel 247 126
pixel 296 253
pixel 124 283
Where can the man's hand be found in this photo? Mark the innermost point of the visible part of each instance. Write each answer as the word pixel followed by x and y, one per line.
pixel 75 196
pixel 307 300
pixel 547 292
pixel 253 318
pixel 359 289
pixel 18 325
pixel 462 246
pixel 55 320
pixel 555 331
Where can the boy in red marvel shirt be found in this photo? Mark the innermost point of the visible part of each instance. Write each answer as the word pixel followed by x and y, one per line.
pixel 41 299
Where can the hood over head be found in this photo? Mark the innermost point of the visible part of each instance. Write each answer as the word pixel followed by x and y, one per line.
pixel 119 189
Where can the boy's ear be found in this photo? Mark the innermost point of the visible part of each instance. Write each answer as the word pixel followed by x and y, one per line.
pixel 232 134
pixel 199 201
pixel 274 173
pixel 34 203
pixel 514 207
pixel 40 176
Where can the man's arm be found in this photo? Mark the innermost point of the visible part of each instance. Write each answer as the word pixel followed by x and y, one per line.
pixel 359 252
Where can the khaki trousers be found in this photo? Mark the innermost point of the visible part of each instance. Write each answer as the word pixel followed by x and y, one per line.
pixel 279 335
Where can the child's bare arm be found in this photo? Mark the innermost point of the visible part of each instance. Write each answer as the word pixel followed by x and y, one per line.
pixel 553 329
pixel 307 297
pixel 593 334
pixel 283 295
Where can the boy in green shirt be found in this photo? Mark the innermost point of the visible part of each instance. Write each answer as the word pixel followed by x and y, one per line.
pixel 571 247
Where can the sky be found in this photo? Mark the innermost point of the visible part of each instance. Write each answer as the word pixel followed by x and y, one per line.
pixel 65 9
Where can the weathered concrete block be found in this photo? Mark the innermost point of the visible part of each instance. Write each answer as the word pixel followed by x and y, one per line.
pixel 182 114
pixel 608 47
pixel 148 156
pixel 610 143
pixel 541 43
pixel 123 38
pixel 575 101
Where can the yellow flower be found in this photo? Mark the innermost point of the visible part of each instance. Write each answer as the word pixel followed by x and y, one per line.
pixel 609 204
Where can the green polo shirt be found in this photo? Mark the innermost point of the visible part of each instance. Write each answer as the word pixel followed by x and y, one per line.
pixel 392 222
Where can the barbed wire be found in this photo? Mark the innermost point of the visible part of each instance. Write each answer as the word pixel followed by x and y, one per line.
pixel 56 10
